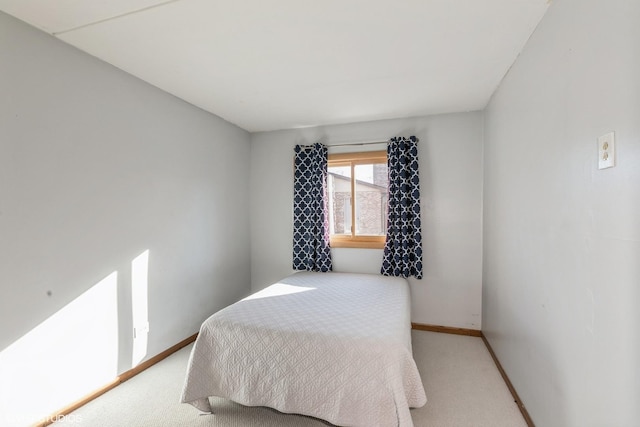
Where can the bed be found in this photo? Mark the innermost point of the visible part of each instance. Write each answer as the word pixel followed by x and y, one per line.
pixel 335 346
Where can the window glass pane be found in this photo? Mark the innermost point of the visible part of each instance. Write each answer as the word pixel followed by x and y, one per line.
pixel 339 182
pixel 371 199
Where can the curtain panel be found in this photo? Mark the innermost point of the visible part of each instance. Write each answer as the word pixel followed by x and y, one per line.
pixel 311 249
pixel 403 247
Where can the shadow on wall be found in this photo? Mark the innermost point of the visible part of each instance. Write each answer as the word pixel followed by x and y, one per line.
pixel 73 352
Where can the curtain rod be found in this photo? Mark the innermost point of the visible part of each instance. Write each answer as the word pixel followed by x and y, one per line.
pixel 346 144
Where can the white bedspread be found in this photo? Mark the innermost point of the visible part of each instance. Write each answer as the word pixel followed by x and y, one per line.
pixel 335 346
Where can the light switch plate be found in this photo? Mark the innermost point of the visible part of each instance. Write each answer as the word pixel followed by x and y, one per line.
pixel 606 151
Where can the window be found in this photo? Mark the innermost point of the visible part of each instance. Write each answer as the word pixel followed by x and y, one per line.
pixel 358 194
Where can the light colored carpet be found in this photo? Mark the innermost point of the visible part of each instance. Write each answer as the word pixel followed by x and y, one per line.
pixel 463 387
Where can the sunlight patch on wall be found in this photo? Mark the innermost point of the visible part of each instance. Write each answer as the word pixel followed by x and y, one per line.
pixel 69 355
pixel 140 306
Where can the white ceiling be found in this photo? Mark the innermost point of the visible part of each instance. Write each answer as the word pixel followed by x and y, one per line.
pixel 278 64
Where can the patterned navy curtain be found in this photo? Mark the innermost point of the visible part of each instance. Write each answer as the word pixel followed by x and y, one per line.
pixel 310 217
pixel 403 247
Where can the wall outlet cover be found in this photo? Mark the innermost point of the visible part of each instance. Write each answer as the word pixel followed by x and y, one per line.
pixel 606 151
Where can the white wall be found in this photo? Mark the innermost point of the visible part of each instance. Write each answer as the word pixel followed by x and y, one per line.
pixel 95 168
pixel 562 238
pixel 450 153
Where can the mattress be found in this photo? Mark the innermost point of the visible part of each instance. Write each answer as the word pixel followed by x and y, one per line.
pixel 334 346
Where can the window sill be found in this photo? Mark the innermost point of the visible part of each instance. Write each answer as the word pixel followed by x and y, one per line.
pixel 360 242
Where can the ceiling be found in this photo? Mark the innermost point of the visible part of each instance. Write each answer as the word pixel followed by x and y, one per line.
pixel 279 64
